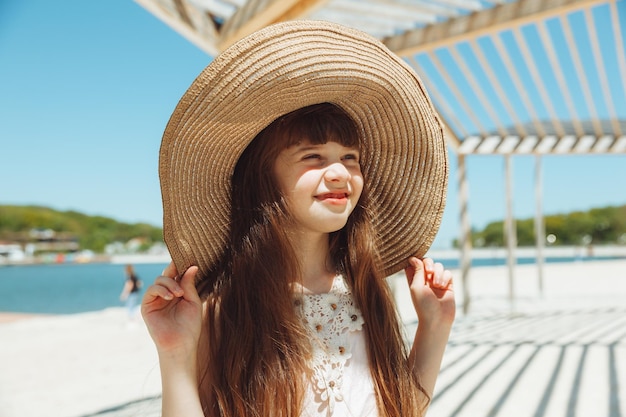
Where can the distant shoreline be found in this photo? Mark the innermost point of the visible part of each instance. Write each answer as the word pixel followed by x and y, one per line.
pixel 615 251
pixel 521 253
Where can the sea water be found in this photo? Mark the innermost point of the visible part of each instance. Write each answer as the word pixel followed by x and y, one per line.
pixel 76 288
pixel 67 288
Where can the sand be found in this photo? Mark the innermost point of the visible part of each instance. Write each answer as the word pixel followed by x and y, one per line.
pixel 100 364
pixel 75 365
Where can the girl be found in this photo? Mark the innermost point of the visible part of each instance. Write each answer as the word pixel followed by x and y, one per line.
pixel 289 314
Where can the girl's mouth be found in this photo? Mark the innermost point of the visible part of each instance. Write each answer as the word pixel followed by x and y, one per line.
pixel 333 198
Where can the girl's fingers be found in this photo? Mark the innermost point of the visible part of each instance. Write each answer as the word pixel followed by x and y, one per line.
pixel 167 287
pixel 447 279
pixel 157 291
pixel 170 271
pixel 429 269
pixel 437 276
pixel 188 284
pixel 171 284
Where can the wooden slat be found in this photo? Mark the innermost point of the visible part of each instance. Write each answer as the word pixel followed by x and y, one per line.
pixel 215 7
pixel 237 3
pixel 603 144
pixel 580 74
pixel 239 19
pixel 469 144
pixel 489 145
pixel 508 145
pixel 496 84
pixel 392 14
pixel 457 94
pixel 302 9
pixel 546 144
pixel 619 146
pixel 550 144
pixel 584 144
pixel 601 68
pixel 443 105
pixel 200 19
pixel 519 87
pixel 565 144
pixel 477 89
pixel 462 4
pixel 619 48
pixel 257 14
pixel 181 8
pixel 375 26
pixel 538 81
pixel 205 44
pixel 557 69
pixel 481 23
pixel 527 146
pixel 437 7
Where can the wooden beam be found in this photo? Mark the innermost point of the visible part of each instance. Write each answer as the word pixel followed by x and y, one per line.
pixel 179 26
pixel 485 22
pixel 257 14
pixel 547 145
pixel 183 14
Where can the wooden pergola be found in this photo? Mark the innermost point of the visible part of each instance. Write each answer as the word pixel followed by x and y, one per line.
pixel 533 77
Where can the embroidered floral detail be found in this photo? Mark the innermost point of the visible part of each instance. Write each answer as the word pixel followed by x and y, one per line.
pixel 330 318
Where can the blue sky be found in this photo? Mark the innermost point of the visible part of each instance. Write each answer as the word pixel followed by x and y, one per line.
pixel 86 88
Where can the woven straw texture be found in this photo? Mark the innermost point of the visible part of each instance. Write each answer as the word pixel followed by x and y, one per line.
pixel 277 70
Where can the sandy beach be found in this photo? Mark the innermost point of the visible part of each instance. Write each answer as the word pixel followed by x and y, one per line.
pixel 561 352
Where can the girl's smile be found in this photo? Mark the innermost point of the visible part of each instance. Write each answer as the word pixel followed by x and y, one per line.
pixel 334 198
pixel 321 184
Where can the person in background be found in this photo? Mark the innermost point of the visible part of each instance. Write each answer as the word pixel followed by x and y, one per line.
pixel 130 292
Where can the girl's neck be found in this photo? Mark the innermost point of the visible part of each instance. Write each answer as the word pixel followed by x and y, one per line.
pixel 317 272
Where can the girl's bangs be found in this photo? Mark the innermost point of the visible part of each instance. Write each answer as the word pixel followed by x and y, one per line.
pixel 318 124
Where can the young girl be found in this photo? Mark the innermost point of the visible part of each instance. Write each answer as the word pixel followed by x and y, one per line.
pixel 284 310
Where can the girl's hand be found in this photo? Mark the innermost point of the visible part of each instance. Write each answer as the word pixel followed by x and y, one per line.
pixel 431 291
pixel 172 311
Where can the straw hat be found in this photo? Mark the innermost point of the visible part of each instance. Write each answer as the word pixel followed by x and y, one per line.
pixel 282 68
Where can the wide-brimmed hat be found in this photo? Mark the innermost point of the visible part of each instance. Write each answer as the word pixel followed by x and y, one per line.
pixel 282 68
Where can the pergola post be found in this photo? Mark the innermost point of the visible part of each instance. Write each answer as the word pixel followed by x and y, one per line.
pixel 540 230
pixel 466 231
pixel 510 231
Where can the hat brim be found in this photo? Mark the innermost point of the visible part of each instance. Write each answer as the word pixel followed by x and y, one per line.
pixel 282 68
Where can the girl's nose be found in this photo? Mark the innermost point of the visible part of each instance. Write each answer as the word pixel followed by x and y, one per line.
pixel 337 172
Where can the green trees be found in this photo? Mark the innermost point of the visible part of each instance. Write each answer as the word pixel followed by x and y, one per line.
pixel 598 226
pixel 92 232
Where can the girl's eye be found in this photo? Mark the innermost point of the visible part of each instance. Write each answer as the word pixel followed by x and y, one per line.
pixel 351 156
pixel 312 156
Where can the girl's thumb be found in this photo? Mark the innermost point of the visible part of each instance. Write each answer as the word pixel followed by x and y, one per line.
pixel 415 271
pixel 188 283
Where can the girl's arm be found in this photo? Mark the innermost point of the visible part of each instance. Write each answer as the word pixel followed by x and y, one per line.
pixel 433 299
pixel 172 311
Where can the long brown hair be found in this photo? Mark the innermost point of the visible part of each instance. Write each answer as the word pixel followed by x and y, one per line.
pixel 254 353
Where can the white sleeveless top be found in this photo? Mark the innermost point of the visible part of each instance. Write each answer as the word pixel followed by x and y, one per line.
pixel 341 383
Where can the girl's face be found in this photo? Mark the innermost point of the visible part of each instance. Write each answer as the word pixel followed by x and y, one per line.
pixel 321 184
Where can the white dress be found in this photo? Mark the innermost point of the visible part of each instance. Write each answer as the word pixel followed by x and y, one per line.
pixel 341 384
